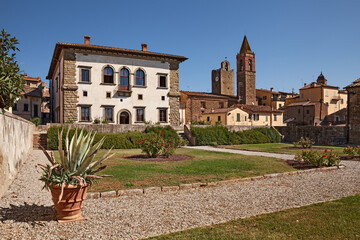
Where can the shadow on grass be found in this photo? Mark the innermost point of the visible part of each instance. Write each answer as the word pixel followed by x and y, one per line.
pixel 32 214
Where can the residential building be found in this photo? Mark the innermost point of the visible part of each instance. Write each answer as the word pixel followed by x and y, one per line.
pixel 270 98
pixel 196 103
pixel 305 113
pixel 34 100
pixel 116 85
pixel 353 113
pixel 319 91
pixel 244 115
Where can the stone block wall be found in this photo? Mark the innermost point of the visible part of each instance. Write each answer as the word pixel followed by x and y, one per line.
pixel 70 88
pixel 354 115
pixel 322 135
pixel 16 143
pixel 174 94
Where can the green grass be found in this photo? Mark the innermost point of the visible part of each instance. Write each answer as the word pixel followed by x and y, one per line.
pixel 204 166
pixel 282 148
pixel 330 220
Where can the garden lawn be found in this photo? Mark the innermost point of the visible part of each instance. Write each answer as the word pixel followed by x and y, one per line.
pixel 204 166
pixel 330 220
pixel 282 148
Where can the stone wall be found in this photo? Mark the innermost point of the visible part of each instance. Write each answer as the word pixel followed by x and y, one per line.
pixel 325 135
pixel 354 114
pixel 16 142
pixel 70 88
pixel 174 94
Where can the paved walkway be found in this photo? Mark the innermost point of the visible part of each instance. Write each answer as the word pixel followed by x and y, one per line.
pixel 245 152
pixel 26 211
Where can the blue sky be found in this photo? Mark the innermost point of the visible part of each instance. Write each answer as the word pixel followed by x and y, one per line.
pixel 293 40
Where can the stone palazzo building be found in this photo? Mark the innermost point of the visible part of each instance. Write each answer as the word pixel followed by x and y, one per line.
pixel 114 85
pixel 353 113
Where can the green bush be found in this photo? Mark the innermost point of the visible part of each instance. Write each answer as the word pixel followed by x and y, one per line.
pixel 126 140
pixel 35 121
pixel 274 135
pixel 318 159
pixel 222 136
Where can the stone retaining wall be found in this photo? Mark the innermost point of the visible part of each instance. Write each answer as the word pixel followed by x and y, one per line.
pixel 16 142
pixel 322 135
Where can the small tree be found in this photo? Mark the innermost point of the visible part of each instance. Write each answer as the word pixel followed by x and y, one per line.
pixel 11 81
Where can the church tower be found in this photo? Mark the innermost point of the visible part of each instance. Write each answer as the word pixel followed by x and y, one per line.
pixel 223 79
pixel 246 88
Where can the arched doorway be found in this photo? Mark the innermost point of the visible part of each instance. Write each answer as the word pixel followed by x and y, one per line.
pixel 124 117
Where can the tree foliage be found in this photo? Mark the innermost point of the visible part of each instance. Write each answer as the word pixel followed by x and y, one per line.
pixel 11 81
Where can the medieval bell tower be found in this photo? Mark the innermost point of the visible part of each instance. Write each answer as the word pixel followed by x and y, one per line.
pixel 246 88
pixel 223 80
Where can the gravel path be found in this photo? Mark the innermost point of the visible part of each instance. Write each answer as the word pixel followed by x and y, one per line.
pixel 246 152
pixel 26 211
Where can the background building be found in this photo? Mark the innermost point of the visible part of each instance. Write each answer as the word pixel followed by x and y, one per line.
pixel 35 100
pixel 353 119
pixel 115 85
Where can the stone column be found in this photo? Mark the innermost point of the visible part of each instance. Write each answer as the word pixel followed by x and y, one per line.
pixel 69 87
pixel 174 94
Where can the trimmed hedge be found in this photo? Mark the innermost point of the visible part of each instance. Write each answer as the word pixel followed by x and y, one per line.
pixel 220 135
pixel 125 140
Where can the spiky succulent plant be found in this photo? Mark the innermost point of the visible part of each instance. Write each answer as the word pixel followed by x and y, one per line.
pixel 76 165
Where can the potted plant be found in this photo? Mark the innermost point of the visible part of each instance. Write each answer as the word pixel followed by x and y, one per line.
pixel 69 176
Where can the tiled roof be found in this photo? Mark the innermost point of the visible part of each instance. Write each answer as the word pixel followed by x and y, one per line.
pixel 356 83
pixel 254 108
pixel 210 95
pixel 59 46
pixel 315 85
pixel 219 110
pixel 308 103
pixel 33 92
pixel 268 91
pixel 33 79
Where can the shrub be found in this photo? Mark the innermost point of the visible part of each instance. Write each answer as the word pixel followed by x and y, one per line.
pixel 35 121
pixel 156 144
pixel 96 121
pixel 208 135
pixel 168 132
pixel 318 159
pixel 274 135
pixel 304 142
pixel 352 151
pixel 251 137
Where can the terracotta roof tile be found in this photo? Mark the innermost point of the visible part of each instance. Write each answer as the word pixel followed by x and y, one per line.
pixel 204 94
pixel 219 110
pixel 356 83
pixel 268 91
pixel 255 108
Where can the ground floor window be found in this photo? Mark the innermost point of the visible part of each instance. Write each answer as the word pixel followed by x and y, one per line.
pixel 275 117
pixel 109 116
pixel 163 115
pixel 85 114
pixel 140 114
pixel 238 117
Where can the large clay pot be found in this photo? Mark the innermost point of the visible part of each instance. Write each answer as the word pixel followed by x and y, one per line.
pixel 69 208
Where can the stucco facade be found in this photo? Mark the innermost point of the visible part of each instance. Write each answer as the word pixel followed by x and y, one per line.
pixel 120 86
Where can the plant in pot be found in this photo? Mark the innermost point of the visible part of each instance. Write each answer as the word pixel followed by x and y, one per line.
pixel 69 176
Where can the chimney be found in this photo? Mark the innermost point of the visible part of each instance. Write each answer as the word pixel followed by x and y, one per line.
pixel 25 74
pixel 87 40
pixel 144 47
pixel 304 84
pixel 272 89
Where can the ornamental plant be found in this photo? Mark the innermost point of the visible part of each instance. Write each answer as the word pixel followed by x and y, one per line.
pixel 304 142
pixel 319 159
pixel 352 151
pixel 156 144
pixel 76 165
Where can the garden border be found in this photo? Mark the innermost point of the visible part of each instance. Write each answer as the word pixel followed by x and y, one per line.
pixel 151 190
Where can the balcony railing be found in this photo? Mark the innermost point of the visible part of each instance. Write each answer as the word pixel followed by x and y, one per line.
pixel 124 90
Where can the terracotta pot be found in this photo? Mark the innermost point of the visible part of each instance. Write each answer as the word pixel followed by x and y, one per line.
pixel 69 208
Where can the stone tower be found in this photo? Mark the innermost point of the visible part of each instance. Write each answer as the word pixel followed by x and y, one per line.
pixel 245 73
pixel 223 79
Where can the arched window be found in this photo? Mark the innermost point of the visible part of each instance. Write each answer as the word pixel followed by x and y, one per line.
pixel 250 65
pixel 108 75
pixel 241 65
pixel 226 67
pixel 124 79
pixel 140 78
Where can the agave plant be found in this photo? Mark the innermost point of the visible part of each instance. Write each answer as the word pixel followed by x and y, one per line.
pixel 76 165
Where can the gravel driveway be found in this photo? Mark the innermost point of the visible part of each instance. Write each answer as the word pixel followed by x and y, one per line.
pixel 26 211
